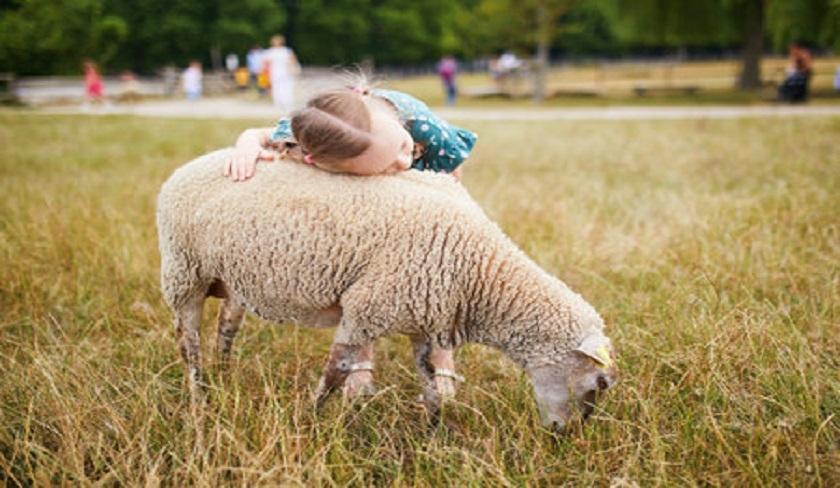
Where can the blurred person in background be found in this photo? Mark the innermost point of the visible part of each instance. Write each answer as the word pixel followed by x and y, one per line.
pixel 242 77
pixel 447 68
pixel 282 68
pixel 191 81
pixel 255 65
pixel 94 91
pixel 798 76
pixel 231 62
pixel 129 87
pixel 837 80
pixel 504 69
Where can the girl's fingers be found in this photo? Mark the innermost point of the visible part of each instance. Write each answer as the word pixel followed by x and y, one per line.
pixel 226 172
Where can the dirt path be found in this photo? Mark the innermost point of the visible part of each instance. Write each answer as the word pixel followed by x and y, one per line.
pixel 229 108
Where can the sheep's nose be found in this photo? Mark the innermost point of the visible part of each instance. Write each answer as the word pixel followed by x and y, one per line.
pixel 586 410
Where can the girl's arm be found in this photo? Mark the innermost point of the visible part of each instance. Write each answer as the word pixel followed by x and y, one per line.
pixel 250 148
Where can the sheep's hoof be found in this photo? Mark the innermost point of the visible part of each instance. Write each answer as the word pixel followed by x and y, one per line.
pixel 359 384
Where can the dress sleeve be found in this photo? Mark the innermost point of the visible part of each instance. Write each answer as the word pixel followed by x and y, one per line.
pixel 283 130
pixel 446 146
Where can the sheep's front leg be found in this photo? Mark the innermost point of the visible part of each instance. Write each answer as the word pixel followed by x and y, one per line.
pixel 436 368
pixel 360 380
pixel 231 316
pixel 345 362
pixel 187 329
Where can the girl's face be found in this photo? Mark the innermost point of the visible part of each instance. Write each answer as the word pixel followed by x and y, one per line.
pixel 391 149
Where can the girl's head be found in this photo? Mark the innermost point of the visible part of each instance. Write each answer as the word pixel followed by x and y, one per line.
pixel 349 131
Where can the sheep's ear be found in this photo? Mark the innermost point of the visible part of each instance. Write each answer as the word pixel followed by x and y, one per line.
pixel 598 348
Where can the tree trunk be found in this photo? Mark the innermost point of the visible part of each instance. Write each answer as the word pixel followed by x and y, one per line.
pixel 750 78
pixel 540 69
pixel 540 65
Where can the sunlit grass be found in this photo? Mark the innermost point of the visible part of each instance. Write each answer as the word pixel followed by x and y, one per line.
pixel 710 247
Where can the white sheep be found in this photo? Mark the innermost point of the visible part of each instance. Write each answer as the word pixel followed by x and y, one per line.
pixel 410 254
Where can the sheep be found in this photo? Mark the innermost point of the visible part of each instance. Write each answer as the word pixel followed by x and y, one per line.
pixel 410 254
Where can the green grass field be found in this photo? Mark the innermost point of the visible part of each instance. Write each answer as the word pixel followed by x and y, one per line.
pixel 711 248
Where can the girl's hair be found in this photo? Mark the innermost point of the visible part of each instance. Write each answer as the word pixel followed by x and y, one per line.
pixel 335 125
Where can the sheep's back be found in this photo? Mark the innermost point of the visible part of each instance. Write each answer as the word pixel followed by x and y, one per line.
pixel 299 232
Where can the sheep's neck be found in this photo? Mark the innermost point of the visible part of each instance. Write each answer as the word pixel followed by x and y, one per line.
pixel 514 307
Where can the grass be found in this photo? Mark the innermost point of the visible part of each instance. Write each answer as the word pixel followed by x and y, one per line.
pixel 710 247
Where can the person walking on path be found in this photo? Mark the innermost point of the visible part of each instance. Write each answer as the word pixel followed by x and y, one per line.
pixel 93 83
pixel 191 81
pixel 255 66
pixel 447 68
pixel 283 66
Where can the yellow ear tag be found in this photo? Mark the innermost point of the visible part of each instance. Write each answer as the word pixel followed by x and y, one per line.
pixel 603 354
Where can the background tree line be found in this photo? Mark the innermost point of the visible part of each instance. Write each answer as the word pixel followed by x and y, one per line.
pixel 53 36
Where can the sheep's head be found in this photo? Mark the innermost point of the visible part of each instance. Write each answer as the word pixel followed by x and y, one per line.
pixel 567 387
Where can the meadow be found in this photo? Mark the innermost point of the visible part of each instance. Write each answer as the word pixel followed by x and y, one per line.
pixel 711 249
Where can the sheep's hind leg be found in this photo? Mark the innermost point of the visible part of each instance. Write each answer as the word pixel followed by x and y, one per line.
pixel 231 316
pixel 436 368
pixel 345 361
pixel 187 332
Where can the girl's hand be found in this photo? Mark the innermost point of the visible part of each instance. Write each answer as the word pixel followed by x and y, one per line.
pixel 250 148
pixel 242 165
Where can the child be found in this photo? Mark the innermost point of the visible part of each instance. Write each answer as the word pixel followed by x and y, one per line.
pixel 93 83
pixel 359 131
pixel 191 80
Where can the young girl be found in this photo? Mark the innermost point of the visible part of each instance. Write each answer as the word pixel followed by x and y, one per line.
pixel 359 131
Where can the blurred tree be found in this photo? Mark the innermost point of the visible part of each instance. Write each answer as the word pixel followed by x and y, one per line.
pixel 242 24
pixel 388 31
pixel 332 31
pixel 166 32
pixel 546 15
pixel 529 25
pixel 747 23
pixel 815 22
pixel 53 36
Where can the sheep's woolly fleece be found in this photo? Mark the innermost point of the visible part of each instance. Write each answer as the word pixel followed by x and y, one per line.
pixel 411 254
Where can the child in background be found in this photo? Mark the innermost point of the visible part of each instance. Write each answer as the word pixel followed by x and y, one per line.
pixel 359 131
pixel 837 80
pixel 93 83
pixel 242 77
pixel 191 81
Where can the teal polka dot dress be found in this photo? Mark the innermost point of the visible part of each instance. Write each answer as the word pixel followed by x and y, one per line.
pixel 445 146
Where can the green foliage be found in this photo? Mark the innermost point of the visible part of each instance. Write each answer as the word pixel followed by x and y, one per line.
pixel 673 23
pixel 53 36
pixel 39 36
pixel 816 22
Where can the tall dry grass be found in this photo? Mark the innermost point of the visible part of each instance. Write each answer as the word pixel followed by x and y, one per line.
pixel 710 247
